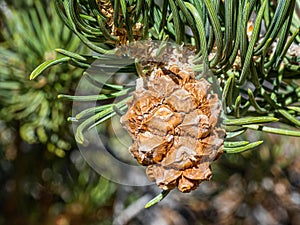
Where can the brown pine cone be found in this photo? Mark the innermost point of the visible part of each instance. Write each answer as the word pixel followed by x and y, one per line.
pixel 106 8
pixel 173 120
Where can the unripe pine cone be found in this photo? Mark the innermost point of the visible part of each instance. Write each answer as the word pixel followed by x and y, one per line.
pixel 173 120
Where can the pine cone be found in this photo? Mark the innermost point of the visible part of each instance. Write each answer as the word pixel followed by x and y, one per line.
pixel 173 120
pixel 106 8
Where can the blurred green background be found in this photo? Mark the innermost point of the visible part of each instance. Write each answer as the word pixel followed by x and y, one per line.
pixel 45 180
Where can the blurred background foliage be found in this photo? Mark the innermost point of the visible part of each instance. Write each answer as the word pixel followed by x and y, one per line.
pixel 43 177
pixel 30 37
pixel 45 180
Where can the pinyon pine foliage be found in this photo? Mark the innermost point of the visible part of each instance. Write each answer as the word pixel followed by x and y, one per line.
pixel 250 46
